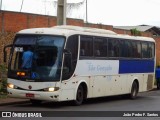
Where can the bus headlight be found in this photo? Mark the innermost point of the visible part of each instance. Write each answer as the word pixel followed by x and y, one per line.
pixel 9 85
pixel 51 89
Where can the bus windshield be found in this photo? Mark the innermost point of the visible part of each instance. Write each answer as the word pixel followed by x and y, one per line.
pixel 36 58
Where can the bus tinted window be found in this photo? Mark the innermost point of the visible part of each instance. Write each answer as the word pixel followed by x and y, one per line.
pixel 125 48
pixel 100 47
pixel 136 49
pixel 72 47
pixel 151 50
pixel 86 46
pixel 130 48
pixel 113 47
pixel 145 50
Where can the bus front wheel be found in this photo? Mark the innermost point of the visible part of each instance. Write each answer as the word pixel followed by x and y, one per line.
pixel 134 90
pixel 79 96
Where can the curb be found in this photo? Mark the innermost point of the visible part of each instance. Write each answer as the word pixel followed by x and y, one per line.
pixel 14 102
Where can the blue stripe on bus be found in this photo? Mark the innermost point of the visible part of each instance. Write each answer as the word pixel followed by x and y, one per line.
pixel 136 66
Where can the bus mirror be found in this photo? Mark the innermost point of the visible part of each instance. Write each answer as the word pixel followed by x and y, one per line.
pixel 5 53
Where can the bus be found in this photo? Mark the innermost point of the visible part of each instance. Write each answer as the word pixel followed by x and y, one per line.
pixel 71 63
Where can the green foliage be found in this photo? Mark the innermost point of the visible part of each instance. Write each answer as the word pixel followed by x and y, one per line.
pixel 3 68
pixel 3 79
pixel 135 32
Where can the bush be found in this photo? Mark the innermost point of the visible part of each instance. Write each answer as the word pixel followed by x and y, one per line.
pixel 3 79
pixel 135 32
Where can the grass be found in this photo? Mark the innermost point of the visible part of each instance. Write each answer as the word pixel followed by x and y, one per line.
pixel 3 96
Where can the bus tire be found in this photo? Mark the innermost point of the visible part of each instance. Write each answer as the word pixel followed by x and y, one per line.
pixel 134 90
pixel 79 96
pixel 35 102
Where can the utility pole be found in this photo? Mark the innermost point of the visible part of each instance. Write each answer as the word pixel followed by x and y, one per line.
pixel 21 6
pixel 1 6
pixel 61 12
pixel 86 11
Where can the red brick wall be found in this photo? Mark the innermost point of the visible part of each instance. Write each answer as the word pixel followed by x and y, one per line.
pixel 1 20
pixel 120 31
pixel 146 34
pixel 157 39
pixel 75 22
pixel 101 26
pixel 14 21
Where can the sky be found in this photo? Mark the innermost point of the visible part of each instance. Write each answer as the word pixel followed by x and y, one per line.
pixel 108 12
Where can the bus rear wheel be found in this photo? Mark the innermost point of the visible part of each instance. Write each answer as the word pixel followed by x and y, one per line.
pixel 79 96
pixel 134 90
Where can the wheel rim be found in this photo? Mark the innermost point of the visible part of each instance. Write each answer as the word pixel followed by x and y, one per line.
pixel 134 92
pixel 80 95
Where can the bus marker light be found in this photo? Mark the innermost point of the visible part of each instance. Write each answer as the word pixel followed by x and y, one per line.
pixel 21 73
pixel 18 73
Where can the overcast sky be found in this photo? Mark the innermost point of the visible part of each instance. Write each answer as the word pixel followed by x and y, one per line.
pixel 109 12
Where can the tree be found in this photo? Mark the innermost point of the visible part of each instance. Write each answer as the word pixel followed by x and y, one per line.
pixel 135 32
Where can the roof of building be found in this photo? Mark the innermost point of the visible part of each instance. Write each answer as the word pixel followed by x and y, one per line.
pixel 142 28
pixel 155 30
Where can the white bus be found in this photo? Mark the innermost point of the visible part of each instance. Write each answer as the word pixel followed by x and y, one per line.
pixel 75 63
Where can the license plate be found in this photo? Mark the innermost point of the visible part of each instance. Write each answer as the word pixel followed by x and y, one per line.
pixel 29 95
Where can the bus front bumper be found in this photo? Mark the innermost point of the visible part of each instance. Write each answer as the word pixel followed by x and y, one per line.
pixel 38 95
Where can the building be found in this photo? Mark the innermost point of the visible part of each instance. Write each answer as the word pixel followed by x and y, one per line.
pixel 143 28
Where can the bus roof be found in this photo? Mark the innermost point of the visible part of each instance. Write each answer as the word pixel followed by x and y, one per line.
pixel 67 30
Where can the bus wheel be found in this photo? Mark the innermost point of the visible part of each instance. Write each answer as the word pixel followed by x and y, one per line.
pixel 35 102
pixel 134 90
pixel 79 96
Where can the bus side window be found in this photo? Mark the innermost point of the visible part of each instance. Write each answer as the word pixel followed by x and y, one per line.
pixel 145 50
pixel 86 46
pixel 151 50
pixel 82 52
pixel 139 49
pixel 100 47
pixel 113 48
pixel 126 48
